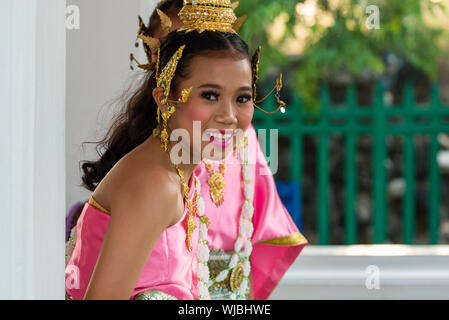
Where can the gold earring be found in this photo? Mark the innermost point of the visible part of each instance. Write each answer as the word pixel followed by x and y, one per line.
pixel 166 115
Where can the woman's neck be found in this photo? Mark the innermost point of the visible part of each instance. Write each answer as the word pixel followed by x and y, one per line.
pixel 187 169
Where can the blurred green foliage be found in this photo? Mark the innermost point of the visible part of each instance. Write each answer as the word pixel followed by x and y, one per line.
pixel 345 47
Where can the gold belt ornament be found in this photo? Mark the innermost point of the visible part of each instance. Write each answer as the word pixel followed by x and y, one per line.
pixel 218 261
pixel 236 278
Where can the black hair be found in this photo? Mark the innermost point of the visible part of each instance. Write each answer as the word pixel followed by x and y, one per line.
pixel 137 120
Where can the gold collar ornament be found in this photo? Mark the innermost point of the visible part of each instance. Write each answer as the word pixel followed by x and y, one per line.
pixel 216 182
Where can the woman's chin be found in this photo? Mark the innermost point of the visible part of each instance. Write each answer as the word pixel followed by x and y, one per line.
pixel 217 154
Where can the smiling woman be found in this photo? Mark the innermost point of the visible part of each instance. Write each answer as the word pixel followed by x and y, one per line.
pixel 144 234
pixel 135 174
pixel 221 101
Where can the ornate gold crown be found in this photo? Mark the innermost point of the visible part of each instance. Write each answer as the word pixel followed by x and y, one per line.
pixel 211 15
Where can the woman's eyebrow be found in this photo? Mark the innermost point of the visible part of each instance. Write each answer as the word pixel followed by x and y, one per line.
pixel 216 86
pixel 246 89
pixel 210 85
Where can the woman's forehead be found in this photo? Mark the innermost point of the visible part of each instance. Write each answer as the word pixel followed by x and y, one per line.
pixel 221 70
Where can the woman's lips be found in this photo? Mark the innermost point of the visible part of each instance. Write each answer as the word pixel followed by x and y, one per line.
pixel 221 142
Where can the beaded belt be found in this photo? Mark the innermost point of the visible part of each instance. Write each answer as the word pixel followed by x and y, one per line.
pixel 154 295
pixel 225 290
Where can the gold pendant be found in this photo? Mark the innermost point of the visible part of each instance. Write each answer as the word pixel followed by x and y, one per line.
pixel 216 183
pixel 237 277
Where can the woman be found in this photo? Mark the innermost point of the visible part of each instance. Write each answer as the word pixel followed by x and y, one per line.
pixel 141 175
pixel 275 235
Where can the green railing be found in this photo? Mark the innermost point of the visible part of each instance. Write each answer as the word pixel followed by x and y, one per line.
pixel 297 123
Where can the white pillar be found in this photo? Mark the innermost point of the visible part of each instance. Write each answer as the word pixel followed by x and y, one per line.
pixel 32 144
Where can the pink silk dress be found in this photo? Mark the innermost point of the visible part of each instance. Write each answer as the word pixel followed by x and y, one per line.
pixel 171 267
pixel 276 240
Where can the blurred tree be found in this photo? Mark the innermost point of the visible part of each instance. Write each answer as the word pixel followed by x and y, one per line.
pixel 334 39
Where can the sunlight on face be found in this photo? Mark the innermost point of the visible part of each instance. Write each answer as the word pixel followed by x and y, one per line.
pixel 221 100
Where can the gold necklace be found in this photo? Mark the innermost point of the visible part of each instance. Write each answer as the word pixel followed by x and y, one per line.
pixel 216 183
pixel 191 209
pixel 191 226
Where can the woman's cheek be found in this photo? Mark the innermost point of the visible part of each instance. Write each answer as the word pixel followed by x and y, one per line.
pixel 195 112
pixel 245 117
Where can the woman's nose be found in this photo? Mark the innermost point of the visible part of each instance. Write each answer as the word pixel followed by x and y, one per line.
pixel 226 114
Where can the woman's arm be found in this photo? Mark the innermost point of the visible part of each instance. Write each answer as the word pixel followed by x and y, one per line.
pixel 140 212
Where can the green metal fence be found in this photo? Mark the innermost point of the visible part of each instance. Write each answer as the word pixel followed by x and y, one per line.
pixel 353 121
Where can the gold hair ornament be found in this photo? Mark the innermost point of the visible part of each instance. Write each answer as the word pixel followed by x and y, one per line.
pixel 200 15
pixel 208 15
pixel 166 22
pixel 166 76
pixel 239 22
pixel 150 45
pixel 255 67
pixel 278 86
pixel 164 80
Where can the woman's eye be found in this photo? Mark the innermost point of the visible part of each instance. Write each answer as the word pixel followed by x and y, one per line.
pixel 244 99
pixel 211 96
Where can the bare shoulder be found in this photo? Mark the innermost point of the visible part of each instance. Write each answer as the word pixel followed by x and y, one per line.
pixel 144 190
pixel 142 206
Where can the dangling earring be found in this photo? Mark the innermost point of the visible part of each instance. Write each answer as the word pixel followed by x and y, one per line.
pixel 278 86
pixel 166 115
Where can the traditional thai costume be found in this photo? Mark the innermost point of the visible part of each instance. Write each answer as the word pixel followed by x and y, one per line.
pixel 276 239
pixel 169 272
pixel 240 228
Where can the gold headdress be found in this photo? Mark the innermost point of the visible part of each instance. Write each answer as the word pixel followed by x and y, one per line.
pixel 211 15
pixel 200 15
pixel 150 44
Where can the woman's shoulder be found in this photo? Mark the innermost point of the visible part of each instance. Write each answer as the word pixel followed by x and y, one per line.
pixel 137 183
pixel 146 191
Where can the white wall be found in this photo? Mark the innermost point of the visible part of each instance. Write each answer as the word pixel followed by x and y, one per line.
pixel 97 72
pixel 32 163
pixel 367 272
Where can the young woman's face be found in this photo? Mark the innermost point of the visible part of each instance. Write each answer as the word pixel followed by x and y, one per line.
pixel 221 102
